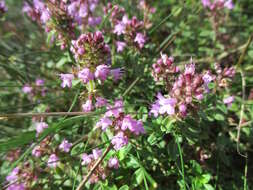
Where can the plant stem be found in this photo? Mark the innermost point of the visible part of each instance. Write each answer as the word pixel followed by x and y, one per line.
pixel 86 178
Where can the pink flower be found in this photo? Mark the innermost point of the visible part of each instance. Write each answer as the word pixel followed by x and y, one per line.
pixel 65 146
pixel 85 75
pixel 27 89
pixel 102 71
pixel 15 186
pixel 229 4
pixel 119 28
pixel 66 80
pixel 206 3
pixel 86 159
pixel 100 102
pixel 96 153
pixel 167 105
pixel 120 46
pixel 39 82
pixel 87 107
pixel 53 161
pixel 140 39
pixel 229 100
pixel 155 109
pixel 36 151
pixel 134 126
pixel 115 110
pixel 183 109
pixel 3 7
pixel 13 176
pixel 104 123
pixel 40 127
pixel 116 73
pixel 113 163
pixel 189 69
pixel 119 141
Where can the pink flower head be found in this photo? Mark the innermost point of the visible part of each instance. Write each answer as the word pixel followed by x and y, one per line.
pixel 100 102
pixel 3 7
pixel 102 71
pixel 229 100
pixel 27 89
pixel 97 153
pixel 85 75
pixel 87 107
pixel 167 105
pixel 53 161
pixel 65 146
pixel 140 39
pixel 134 126
pixel 36 151
pixel 115 110
pixel 116 73
pixel 17 186
pixel 119 141
pixel 113 163
pixel 66 80
pixel 189 69
pixel 155 109
pixel 119 28
pixel 13 176
pixel 40 127
pixel 120 46
pixel 229 4
pixel 104 122
pixel 86 159
pixel 206 3
pixel 39 82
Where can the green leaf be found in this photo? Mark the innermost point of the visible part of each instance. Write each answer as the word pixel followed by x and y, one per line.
pixel 124 187
pixel 139 175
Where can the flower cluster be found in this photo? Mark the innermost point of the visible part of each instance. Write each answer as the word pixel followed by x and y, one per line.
pixel 218 4
pixel 100 172
pixel 35 89
pixel 3 7
pixel 163 67
pixel 147 13
pixel 185 88
pixel 131 30
pixel 224 75
pixel 90 49
pixel 93 57
pixel 37 11
pixel 82 12
pixel 53 16
pixel 21 178
pixel 120 124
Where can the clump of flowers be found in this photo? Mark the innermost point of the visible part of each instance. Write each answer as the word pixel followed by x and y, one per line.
pixel 130 29
pixel 185 88
pixel 21 177
pixel 90 49
pixel 82 11
pixel 3 8
pixel 36 89
pixel 93 57
pixel 218 4
pixel 123 127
